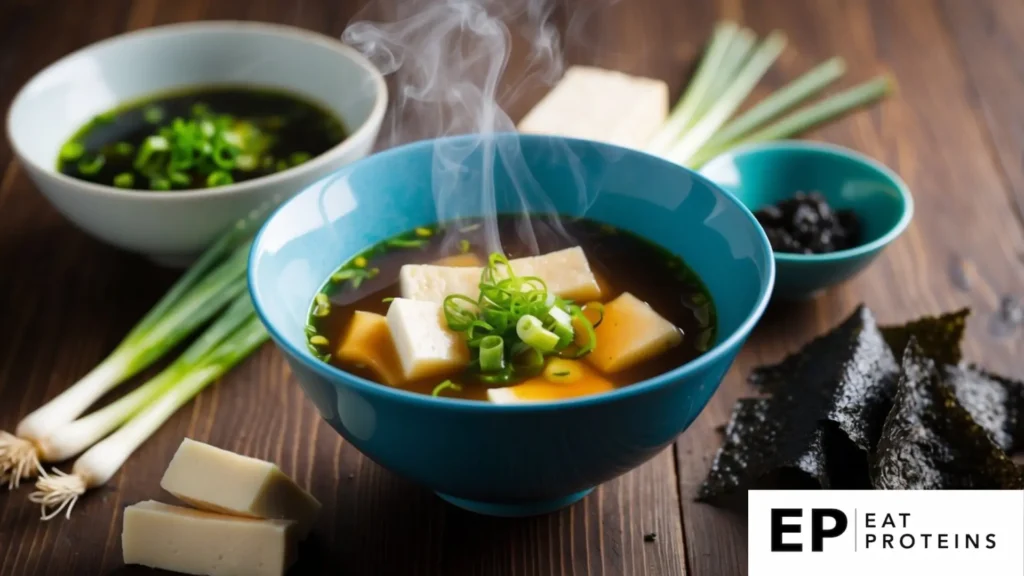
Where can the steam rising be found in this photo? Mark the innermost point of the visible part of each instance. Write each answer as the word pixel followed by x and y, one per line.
pixel 446 59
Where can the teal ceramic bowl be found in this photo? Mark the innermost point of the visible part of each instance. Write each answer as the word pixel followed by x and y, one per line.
pixel 762 174
pixel 510 460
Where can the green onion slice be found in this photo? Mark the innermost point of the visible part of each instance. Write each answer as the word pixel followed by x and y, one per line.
pixel 492 354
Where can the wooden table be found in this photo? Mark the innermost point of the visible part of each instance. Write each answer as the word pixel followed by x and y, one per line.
pixel 955 132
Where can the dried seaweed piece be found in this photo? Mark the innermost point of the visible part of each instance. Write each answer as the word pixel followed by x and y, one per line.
pixel 851 367
pixel 930 441
pixel 995 403
pixel 939 337
pixel 763 448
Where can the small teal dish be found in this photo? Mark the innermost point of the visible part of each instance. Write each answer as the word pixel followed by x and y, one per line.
pixel 762 174
pixel 510 460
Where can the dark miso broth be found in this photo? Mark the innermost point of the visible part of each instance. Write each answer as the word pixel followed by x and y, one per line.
pixel 199 138
pixel 621 261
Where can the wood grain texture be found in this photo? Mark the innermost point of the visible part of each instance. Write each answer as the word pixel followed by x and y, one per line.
pixel 953 132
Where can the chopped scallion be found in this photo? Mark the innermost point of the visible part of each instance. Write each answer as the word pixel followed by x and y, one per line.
pixel 492 354
pixel 124 180
pixel 219 178
pixel 92 165
pixel 446 385
pixel 153 114
pixel 72 151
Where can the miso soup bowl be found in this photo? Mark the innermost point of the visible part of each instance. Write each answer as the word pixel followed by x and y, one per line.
pixel 510 460
pixel 172 227
pixel 762 174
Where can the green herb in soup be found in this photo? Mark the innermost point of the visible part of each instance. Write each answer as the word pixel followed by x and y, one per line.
pixel 200 138
pixel 433 312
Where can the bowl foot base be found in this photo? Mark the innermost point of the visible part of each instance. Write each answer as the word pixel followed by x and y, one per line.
pixel 517 510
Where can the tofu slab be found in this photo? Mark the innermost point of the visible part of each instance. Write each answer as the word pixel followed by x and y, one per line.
pixel 631 333
pixel 426 347
pixel 218 480
pixel 545 388
pixel 367 342
pixel 566 272
pixel 197 542
pixel 603 105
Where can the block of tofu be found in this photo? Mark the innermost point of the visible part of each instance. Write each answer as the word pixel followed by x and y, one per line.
pixel 602 105
pixel 367 342
pixel 566 272
pixel 198 542
pixel 214 479
pixel 426 347
pixel 561 379
pixel 631 333
pixel 460 261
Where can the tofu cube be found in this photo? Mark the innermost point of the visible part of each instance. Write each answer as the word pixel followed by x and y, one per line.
pixel 218 480
pixel 368 343
pixel 426 347
pixel 566 272
pixel 602 105
pixel 460 261
pixel 196 542
pixel 631 333
pixel 561 379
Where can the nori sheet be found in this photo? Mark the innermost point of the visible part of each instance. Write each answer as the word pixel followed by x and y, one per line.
pixel 930 441
pixel 850 370
pixel 830 403
pixel 995 403
pixel 938 337
pixel 764 448
pixel 830 397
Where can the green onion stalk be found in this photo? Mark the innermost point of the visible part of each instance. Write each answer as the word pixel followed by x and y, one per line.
pixel 804 118
pixel 179 383
pixel 212 282
pixel 730 99
pixel 685 111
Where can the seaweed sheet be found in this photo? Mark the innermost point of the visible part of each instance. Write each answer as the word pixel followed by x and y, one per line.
pixel 938 337
pixel 930 441
pixel 829 398
pixel 995 403
pixel 830 402
pixel 850 371
pixel 762 449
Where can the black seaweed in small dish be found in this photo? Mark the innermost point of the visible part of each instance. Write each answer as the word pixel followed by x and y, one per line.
pixel 806 224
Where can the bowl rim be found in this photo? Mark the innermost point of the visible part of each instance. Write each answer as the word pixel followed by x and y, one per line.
pixel 365 386
pixel 813 147
pixel 358 134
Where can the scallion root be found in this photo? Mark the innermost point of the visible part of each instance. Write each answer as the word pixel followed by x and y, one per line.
pixel 57 493
pixel 19 459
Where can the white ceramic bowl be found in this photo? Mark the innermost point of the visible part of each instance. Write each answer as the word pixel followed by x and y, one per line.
pixel 172 227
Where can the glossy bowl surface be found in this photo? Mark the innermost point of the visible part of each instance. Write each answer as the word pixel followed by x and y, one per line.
pixel 522 459
pixel 762 174
pixel 172 227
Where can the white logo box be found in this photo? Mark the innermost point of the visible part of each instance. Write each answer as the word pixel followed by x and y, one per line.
pixel 915 533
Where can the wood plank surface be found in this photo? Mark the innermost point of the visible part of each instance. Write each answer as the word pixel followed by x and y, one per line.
pixel 954 132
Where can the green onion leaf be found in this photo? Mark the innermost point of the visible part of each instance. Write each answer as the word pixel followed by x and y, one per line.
pixel 446 385
pixel 299 158
pixel 90 166
pixel 124 149
pixel 492 354
pixel 464 246
pixel 402 243
pixel 72 151
pixel 124 180
pixel 532 332
pixel 153 114
pixel 218 178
